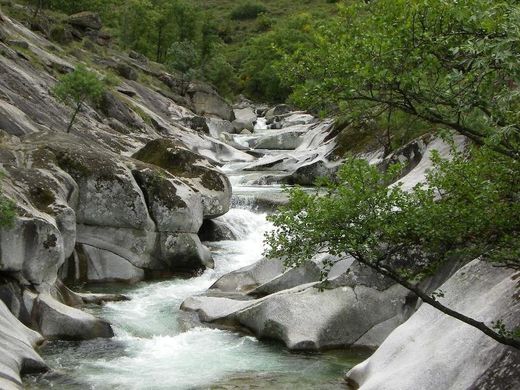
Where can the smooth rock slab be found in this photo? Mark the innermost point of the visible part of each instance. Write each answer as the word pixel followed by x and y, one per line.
pixel 250 277
pixel 104 266
pixel 433 351
pixel 58 321
pixel 305 318
pixel 17 354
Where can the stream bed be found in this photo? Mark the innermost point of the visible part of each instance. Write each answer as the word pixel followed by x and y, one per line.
pixel 155 348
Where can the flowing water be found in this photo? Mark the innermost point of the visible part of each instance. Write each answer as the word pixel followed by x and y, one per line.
pixel 156 348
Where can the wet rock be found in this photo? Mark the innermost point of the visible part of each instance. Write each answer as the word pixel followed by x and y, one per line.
pixel 277 110
pixel 16 349
pixel 248 278
pixel 308 273
pixel 217 127
pixel 286 139
pixel 245 118
pixel 197 123
pixel 58 321
pixel 214 230
pixel 101 299
pixel 183 252
pixel 356 310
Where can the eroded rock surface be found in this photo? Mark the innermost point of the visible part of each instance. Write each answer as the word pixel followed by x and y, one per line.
pixel 434 351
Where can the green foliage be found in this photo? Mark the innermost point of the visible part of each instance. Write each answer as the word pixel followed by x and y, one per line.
pixel 7 210
pixel 248 10
pixel 77 88
pixel 454 64
pixel 184 57
pixel 260 58
pixel 468 206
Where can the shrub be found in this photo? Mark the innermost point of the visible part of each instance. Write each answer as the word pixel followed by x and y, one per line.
pixel 248 11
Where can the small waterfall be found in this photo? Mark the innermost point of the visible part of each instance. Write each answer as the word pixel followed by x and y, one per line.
pixel 244 223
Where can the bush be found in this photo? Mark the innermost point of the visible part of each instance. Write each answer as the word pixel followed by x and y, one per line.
pixel 78 87
pixel 248 11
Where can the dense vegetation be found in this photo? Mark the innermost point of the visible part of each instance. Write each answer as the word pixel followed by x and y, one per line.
pixel 232 44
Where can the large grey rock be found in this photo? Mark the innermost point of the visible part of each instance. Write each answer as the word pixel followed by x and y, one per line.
pixel 250 277
pixel 277 110
pixel 213 186
pixel 286 139
pixel 14 121
pixel 245 118
pixel 86 19
pixel 174 206
pixel 197 123
pixel 217 126
pixel 356 310
pixel 434 351
pixel 17 354
pixel 214 230
pixel 105 266
pixel 113 107
pixel 306 318
pixel 210 309
pixel 307 273
pixel 207 102
pixel 184 252
pixel 33 247
pixel 58 321
pixel 297 119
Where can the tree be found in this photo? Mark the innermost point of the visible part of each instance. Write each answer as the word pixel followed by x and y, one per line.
pixel 453 64
pixel 468 207
pixel 7 209
pixel 78 88
pixel 260 59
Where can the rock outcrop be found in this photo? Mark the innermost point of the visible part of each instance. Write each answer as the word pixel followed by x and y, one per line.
pixel 434 351
pixel 121 198
pixel 358 308
pixel 16 350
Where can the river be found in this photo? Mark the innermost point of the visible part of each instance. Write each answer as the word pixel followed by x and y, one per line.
pixel 157 347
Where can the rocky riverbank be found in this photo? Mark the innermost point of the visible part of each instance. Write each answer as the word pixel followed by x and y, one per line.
pixel 146 176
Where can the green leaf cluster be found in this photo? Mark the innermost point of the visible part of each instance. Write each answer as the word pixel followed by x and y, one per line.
pixel 448 63
pixel 468 207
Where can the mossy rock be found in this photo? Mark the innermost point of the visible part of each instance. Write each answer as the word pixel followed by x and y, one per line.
pixel 180 162
pixel 61 34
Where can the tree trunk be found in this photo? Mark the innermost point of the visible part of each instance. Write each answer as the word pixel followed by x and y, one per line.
pixel 76 111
